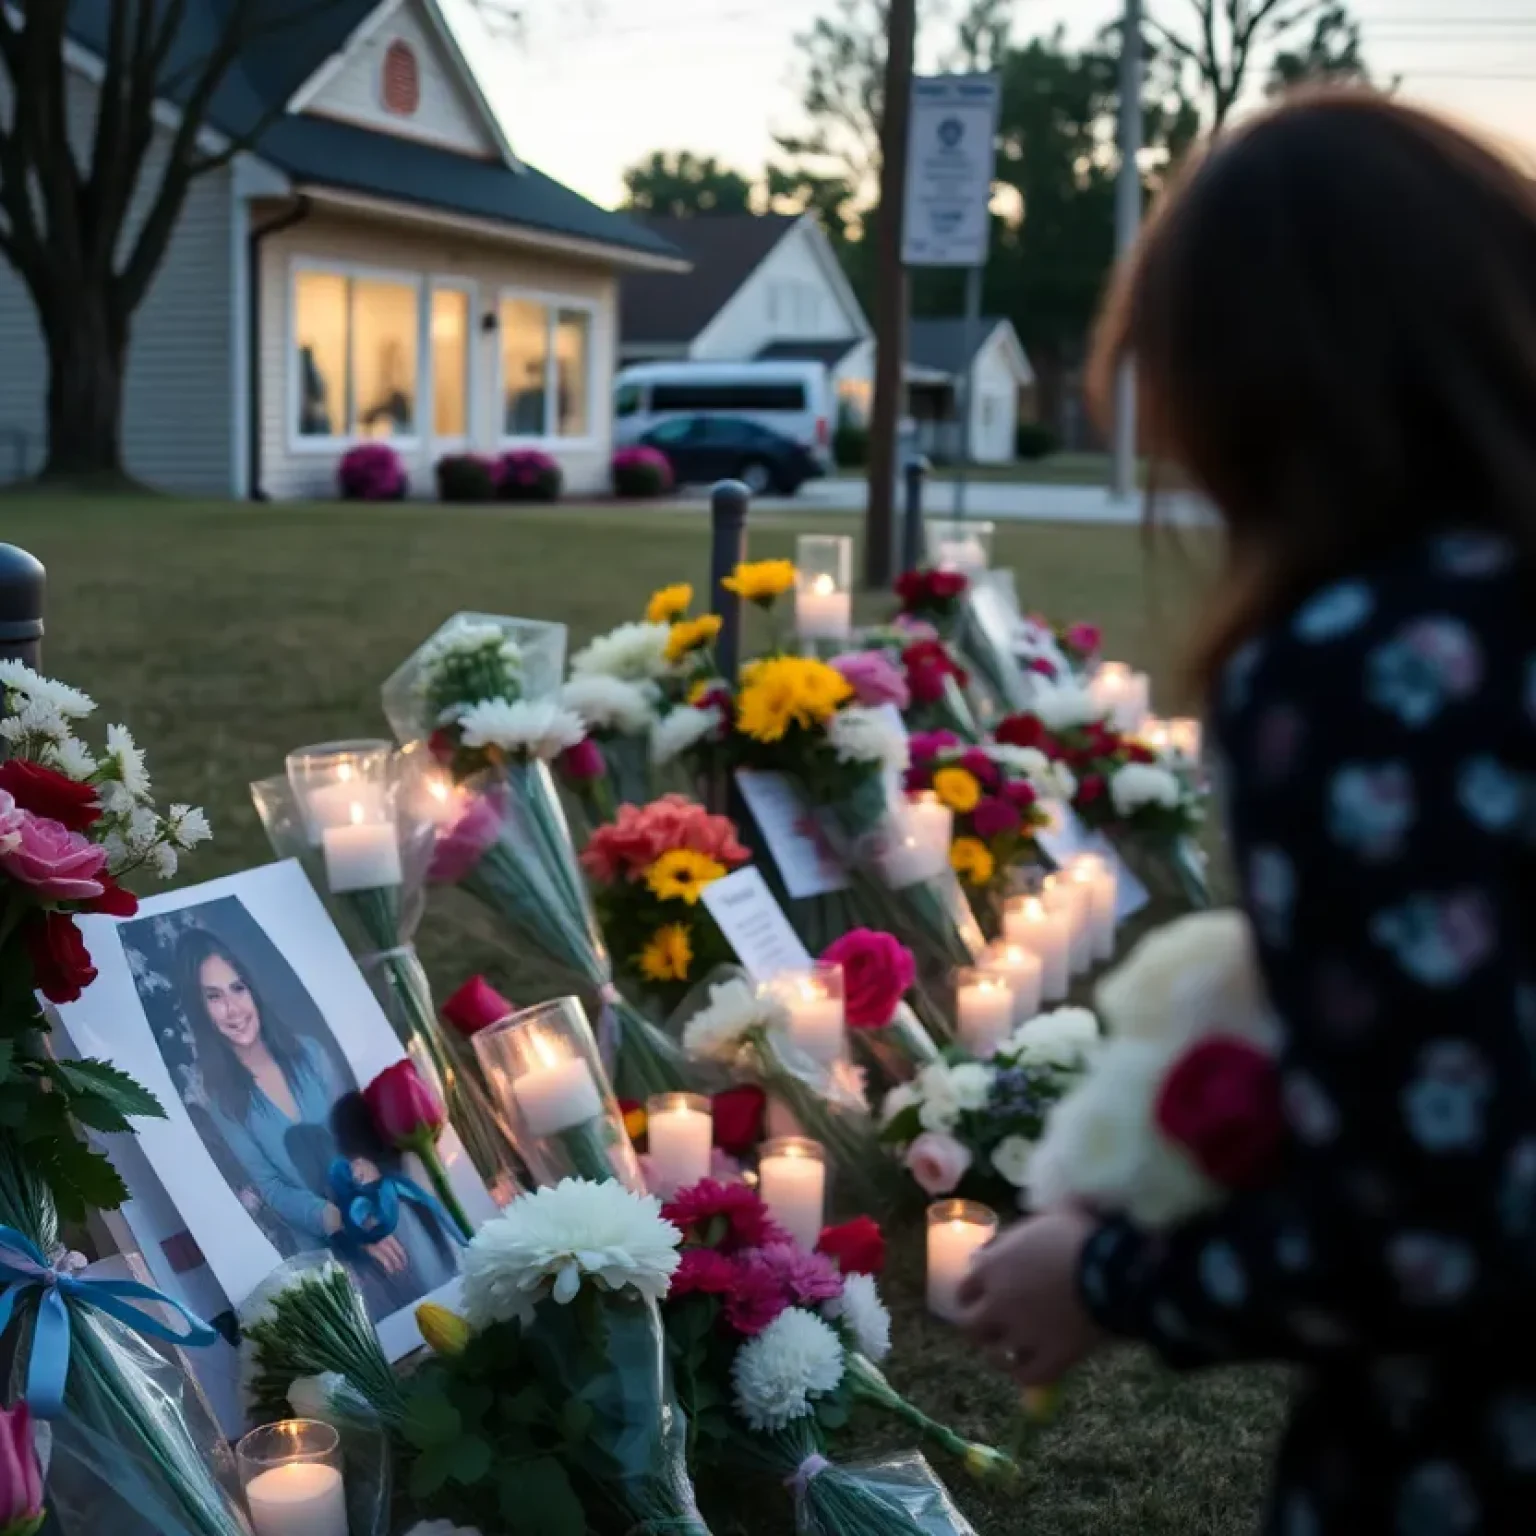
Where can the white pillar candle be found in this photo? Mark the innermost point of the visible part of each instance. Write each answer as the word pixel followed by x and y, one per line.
pixel 557 1095
pixel 1155 734
pixel 305 1498
pixel 1028 923
pixel 343 802
pixel 1022 969
pixel 1094 874
pixel 679 1135
pixel 906 860
pixel 931 823
pixel 792 1180
pixel 813 1002
pixel 1062 894
pixel 984 1010
pixel 362 856
pixel 822 612
pixel 1184 738
pixel 957 1229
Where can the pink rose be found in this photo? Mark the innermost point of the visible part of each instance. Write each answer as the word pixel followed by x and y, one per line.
pixel 58 864
pixel 874 679
pixel 878 970
pixel 21 1478
pixel 583 762
pixel 993 817
pixel 461 848
pixel 938 1162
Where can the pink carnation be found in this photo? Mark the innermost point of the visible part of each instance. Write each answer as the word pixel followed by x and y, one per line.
pixel 993 817
pixel 981 768
pixel 58 864
pixel 878 971
pixel 1020 792
pixel 642 833
pixel 1084 638
pixel 874 678
pixel 926 745
pixel 755 1300
pixel 805 1279
pixel 461 848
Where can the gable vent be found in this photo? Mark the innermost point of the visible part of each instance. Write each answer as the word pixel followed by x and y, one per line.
pixel 402 80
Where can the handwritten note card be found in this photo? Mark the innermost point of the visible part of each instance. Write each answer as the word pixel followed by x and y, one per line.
pixel 754 925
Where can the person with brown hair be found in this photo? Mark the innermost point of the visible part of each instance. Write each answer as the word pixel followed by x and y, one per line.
pixel 1332 319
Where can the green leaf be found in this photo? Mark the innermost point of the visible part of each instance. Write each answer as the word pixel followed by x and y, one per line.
pixel 538 1497
pixel 101 1081
pixel 81 1180
pixel 431 1422
pixel 832 1414
pixel 576 1420
pixel 428 1474
pixel 469 1460
pixel 524 1407
pixel 903 1127
pixel 473 1399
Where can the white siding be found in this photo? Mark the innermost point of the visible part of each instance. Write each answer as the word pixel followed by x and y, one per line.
pixel 790 297
pixel 292 470
pixel 177 410
pixel 448 114
pixel 994 403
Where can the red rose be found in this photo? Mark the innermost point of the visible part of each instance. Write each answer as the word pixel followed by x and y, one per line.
pixel 1026 731
pixel 406 1111
pixel 1221 1102
pixel 878 970
pixel 857 1247
pixel 48 793
pixel 475 1005
pixel 61 964
pixel 114 901
pixel 739 1114
pixel 441 745
pixel 1090 789
pixel 1135 752
pixel 944 586
pixel 1103 740
pixel 910 588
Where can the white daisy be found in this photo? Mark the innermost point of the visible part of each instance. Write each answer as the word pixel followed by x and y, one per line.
pixel 527 727
pixel 128 760
pixel 718 1031
pixel 17 677
pixel 1141 784
pixel 72 758
pixel 796 1358
pixel 861 735
pixel 862 1313
pixel 189 826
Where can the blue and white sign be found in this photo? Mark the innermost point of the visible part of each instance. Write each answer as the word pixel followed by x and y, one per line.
pixel 950 154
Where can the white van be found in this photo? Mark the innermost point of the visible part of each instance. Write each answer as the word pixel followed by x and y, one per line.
pixel 791 398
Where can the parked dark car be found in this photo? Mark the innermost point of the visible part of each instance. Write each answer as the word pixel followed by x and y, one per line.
pixel 709 448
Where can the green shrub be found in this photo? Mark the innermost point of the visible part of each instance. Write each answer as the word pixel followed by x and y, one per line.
pixel 528 474
pixel 1034 440
pixel 850 445
pixel 641 471
pixel 465 477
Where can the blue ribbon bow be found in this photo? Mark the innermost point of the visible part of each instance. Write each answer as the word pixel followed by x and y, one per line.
pixel 371 1211
pixel 24 1268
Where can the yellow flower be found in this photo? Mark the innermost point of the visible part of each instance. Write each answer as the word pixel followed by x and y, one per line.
pixel 681 874
pixel 781 691
pixel 972 860
pixel 958 788
pixel 690 634
pixel 668 954
pixel 761 581
pixel 668 603
pixel 446 1332
pixel 635 1122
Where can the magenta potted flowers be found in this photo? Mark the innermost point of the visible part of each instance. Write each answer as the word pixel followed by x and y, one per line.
pixel 641 471
pixel 528 474
pixel 372 472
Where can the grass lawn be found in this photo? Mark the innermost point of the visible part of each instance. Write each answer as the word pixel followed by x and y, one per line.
pixel 226 635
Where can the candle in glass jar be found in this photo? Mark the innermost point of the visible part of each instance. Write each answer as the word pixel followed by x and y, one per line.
pixel 349 799
pixel 1062 894
pixel 679 1133
pixel 305 1498
pixel 1184 738
pixel 984 1010
pixel 362 855
pixel 1028 923
pixel 1094 874
pixel 1154 734
pixel 813 1001
pixel 1022 969
pixel 558 1094
pixel 822 612
pixel 931 824
pixel 792 1180
pixel 957 1229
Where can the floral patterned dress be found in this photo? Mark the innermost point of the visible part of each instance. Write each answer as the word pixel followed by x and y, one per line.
pixel 1380 749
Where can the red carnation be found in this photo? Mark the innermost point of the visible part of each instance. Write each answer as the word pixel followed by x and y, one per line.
pixel 1221 1102
pixel 858 1246
pixel 739 1114
pixel 1026 731
pixel 1090 789
pixel 911 588
pixel 724 1216
pixel 61 964
pixel 1020 793
pixel 1103 740
pixel 755 1299
pixel 703 1271
pixel 50 794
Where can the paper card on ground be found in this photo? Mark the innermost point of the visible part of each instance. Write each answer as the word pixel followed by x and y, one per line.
pixel 805 860
pixel 754 925
pixel 1066 837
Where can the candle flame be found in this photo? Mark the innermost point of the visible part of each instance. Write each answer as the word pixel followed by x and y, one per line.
pixel 344 772
pixel 823 585
pixel 545 1049
pixel 1034 910
pixel 357 813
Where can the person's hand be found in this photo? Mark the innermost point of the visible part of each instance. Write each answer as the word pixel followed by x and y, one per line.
pixel 1020 1298
pixel 389 1254
pixel 364 1171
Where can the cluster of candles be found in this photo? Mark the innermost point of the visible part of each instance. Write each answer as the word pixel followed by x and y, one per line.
pixel 1178 739
pixel 1125 695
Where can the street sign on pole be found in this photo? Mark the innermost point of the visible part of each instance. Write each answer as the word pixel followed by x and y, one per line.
pixel 950 153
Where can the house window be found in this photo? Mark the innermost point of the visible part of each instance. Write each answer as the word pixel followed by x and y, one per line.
pixel 546 370
pixel 357 340
pixel 401 88
pixel 450 362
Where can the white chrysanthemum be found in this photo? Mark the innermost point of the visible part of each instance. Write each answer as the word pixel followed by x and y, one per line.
pixel 1030 761
pixel 188 826
pixel 1066 708
pixel 860 1310
pixel 1011 1158
pixel 1064 1037
pixel 17 677
pixel 861 735
pixel 971 1083
pixel 115 799
pixel 1142 784
pixel 529 727
pixel 938 1106
pixel 72 758
pixel 1063 782
pixel 610 703
pixel 634 652
pixel 902 1096
pixel 680 731
pixel 164 860
pixel 128 761
pixel 551 1241
pixel 470 638
pixel 37 720
pixel 735 1009
pixel 796 1358
pixel 143 827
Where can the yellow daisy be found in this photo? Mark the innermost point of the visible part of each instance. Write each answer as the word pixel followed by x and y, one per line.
pixel 667 955
pixel 668 603
pixel 689 634
pixel 781 691
pixel 761 581
pixel 972 860
pixel 958 788
pixel 681 874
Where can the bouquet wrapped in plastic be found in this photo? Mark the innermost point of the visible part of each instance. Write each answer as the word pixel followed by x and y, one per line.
pixel 476 692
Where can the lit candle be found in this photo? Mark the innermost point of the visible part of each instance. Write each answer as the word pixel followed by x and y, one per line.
pixel 1156 735
pixel 679 1133
pixel 956 1230
pixel 965 554
pixel 984 1010
pixel 436 800
pixel 931 823
pixel 1022 969
pixel 792 1180
pixel 1066 896
pixel 1094 874
pixel 822 612
pixel 1124 694
pixel 1184 738
pixel 292 1477
pixel 363 855
pixel 1028 923
pixel 907 860
pixel 557 1094
pixel 814 1003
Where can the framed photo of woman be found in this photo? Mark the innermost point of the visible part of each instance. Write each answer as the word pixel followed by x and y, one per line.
pixel 238 1005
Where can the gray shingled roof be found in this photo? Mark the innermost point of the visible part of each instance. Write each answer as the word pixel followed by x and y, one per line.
pixel 941 344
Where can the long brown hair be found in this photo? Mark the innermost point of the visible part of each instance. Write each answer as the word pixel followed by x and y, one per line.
pixel 1332 318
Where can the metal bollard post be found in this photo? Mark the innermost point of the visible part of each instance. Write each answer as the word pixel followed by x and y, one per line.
pixel 728 505
pixel 22 585
pixel 912 552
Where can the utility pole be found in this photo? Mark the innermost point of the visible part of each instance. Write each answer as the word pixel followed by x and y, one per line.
pixel 1127 223
pixel 890 298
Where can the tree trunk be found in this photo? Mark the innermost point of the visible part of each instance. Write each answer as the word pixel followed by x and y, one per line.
pixel 87 347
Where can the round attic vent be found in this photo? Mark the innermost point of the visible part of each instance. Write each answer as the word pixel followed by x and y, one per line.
pixel 402 80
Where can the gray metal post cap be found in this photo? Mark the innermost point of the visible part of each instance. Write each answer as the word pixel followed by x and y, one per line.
pixel 730 496
pixel 22 583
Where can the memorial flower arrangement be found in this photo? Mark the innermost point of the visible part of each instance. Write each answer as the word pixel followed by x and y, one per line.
pixel 981 1121
pixel 1181 1106
pixel 649 870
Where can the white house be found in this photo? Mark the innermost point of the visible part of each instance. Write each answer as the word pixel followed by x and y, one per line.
pixel 981 369
pixel 380 266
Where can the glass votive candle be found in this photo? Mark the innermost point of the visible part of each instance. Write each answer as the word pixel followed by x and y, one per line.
pixel 956 1230
pixel 1066 896
pixel 931 824
pixel 823 586
pixel 1093 872
pixel 679 1138
pixel 1022 969
pixel 1184 738
pixel 792 1181
pixel 291 1474
pixel 965 546
pixel 1029 923
pixel 546 1077
pixel 984 1009
pixel 341 784
pixel 813 1003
